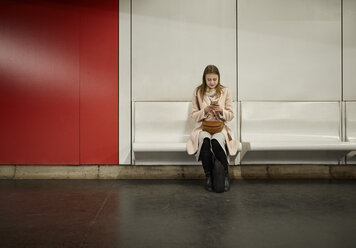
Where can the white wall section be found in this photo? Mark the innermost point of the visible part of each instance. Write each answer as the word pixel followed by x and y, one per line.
pixel 173 41
pixel 289 50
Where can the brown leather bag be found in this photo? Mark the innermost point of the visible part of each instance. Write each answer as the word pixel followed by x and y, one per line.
pixel 213 126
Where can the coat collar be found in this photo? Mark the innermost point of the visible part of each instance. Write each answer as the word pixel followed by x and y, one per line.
pixel 207 101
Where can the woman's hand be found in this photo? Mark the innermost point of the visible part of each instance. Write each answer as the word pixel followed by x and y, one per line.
pixel 208 108
pixel 216 109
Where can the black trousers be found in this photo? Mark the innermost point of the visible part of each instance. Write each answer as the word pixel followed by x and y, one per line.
pixel 206 155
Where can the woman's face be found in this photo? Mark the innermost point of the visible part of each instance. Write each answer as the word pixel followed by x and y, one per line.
pixel 212 80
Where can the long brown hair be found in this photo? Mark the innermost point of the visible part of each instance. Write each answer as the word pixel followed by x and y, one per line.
pixel 201 89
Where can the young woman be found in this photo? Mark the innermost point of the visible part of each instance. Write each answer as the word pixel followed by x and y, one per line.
pixel 212 103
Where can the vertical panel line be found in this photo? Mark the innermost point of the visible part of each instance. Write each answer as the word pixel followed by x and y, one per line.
pixel 118 82
pixel 131 140
pixel 342 50
pixel 343 122
pixel 236 53
pixel 79 54
pixel 237 72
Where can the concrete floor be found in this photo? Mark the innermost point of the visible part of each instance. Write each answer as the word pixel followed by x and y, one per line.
pixel 177 213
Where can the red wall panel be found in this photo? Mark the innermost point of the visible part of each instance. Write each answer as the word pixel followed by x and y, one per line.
pixel 39 89
pixel 99 84
pixel 52 83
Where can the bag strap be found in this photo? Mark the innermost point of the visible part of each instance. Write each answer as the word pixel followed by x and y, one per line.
pixel 196 99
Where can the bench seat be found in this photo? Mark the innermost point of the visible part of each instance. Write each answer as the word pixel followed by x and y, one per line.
pixel 301 146
pixel 163 147
pixel 312 128
pixel 159 147
pixel 161 131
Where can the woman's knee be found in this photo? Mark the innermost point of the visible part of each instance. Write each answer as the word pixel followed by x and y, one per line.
pixel 206 145
pixel 216 145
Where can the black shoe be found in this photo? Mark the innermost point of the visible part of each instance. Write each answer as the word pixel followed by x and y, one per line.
pixel 227 183
pixel 208 183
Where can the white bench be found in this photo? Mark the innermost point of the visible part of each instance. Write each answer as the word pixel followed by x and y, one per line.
pixel 351 128
pixel 160 132
pixel 272 129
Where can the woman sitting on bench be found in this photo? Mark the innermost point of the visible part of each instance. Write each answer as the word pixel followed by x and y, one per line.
pixel 211 108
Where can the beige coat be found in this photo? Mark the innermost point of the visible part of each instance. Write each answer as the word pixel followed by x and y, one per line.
pixel 198 115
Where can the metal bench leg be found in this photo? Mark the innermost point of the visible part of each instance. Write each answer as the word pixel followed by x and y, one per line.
pixel 244 148
pixel 342 160
pixel 133 158
pixel 350 155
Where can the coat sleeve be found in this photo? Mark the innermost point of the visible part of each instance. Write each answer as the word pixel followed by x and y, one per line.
pixel 197 114
pixel 228 113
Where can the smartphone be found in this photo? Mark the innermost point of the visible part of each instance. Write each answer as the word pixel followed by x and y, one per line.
pixel 214 102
